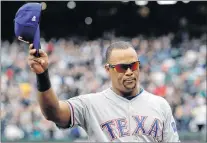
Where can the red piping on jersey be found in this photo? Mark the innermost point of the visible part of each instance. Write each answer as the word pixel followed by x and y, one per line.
pixel 73 120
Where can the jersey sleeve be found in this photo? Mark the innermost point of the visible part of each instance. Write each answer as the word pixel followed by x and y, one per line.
pixel 170 133
pixel 78 109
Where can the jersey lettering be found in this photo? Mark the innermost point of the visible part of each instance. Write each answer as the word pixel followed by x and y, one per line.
pixel 140 124
pixel 156 130
pixel 109 128
pixel 113 127
pixel 122 127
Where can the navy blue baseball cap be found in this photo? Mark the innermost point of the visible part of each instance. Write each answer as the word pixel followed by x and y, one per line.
pixel 27 22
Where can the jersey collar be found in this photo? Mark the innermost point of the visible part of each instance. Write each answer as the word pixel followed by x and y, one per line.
pixel 116 98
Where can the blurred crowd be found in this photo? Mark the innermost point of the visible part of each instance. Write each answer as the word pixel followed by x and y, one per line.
pixel 171 67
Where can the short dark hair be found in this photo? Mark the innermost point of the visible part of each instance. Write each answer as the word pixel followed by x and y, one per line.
pixel 117 45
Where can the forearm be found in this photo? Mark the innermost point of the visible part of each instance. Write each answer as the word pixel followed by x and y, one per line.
pixel 49 104
pixel 53 109
pixel 47 99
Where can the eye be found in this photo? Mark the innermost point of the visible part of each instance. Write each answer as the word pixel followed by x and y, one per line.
pixel 124 66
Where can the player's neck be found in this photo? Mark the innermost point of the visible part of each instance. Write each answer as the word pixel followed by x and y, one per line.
pixel 125 94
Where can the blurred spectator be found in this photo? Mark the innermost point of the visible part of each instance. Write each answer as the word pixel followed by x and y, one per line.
pixel 198 122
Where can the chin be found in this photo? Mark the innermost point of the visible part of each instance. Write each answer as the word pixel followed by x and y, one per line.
pixel 129 89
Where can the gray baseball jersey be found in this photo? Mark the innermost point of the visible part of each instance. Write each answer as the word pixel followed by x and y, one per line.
pixel 108 117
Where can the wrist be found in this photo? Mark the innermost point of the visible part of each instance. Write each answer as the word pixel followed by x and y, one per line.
pixel 43 81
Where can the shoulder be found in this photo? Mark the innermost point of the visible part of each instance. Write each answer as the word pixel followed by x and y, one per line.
pixel 159 101
pixel 91 97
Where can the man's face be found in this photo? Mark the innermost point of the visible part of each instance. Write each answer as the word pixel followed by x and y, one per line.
pixel 127 81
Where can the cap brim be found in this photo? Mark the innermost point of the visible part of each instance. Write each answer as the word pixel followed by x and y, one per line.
pixel 36 41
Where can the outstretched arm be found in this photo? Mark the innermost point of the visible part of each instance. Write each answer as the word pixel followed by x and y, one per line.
pixel 52 109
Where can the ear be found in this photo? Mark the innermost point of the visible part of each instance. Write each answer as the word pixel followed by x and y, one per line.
pixel 106 66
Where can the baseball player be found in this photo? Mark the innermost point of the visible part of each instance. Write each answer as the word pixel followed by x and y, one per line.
pixel 124 112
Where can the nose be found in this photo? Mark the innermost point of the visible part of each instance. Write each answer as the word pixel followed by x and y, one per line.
pixel 129 72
